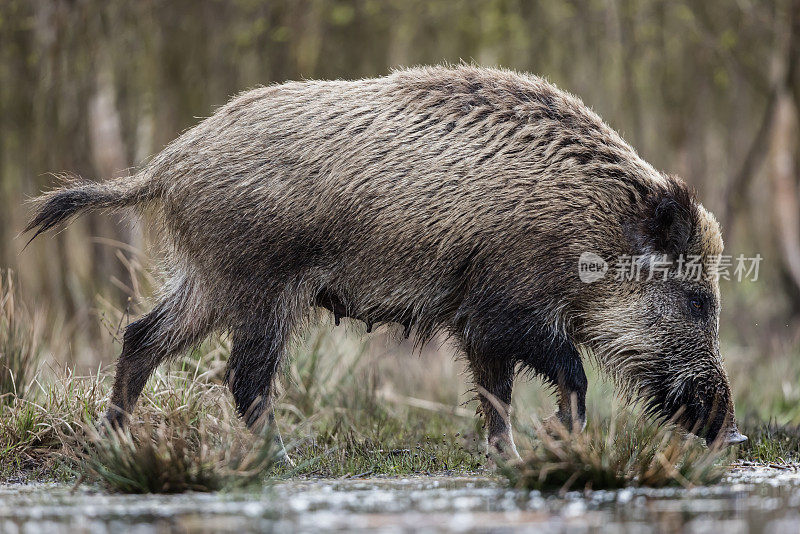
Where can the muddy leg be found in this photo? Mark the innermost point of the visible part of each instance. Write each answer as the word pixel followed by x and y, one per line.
pixel 255 359
pixel 147 342
pixel 494 381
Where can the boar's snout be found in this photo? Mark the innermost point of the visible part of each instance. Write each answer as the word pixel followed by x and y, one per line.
pixel 706 409
pixel 729 438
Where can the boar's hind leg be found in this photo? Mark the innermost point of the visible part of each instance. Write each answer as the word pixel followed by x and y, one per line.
pixel 494 380
pixel 254 361
pixel 147 342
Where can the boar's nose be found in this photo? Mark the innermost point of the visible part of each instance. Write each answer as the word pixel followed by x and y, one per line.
pixel 734 438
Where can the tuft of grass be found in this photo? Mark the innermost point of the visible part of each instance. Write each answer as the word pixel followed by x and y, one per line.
pixel 619 453
pixel 19 343
pixel 183 436
pixel 174 459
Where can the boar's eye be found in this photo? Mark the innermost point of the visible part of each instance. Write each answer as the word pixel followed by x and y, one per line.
pixel 697 305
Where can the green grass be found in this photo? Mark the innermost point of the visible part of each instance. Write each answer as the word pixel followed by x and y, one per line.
pixel 339 420
pixel 388 450
pixel 32 428
pixel 770 443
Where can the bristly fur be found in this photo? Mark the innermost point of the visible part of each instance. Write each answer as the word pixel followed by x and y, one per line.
pixel 453 200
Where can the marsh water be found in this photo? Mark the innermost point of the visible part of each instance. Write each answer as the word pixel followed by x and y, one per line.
pixel 749 500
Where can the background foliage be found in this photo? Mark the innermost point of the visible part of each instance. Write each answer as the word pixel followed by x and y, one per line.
pixel 706 90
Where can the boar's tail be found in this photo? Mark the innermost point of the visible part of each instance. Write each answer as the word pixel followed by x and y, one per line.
pixel 77 195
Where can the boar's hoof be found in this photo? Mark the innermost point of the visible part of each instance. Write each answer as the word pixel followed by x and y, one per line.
pixel 501 447
pixel 561 424
pixel 115 418
pixel 283 457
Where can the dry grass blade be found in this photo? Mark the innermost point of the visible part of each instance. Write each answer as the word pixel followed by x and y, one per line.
pixel 19 343
pixel 32 429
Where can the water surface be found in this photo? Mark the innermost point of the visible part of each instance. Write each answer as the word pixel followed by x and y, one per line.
pixel 750 500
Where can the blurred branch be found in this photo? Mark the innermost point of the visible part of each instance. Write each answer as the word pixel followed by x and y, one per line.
pixel 736 190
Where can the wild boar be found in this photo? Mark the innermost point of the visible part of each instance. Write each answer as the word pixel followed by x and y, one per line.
pixel 449 200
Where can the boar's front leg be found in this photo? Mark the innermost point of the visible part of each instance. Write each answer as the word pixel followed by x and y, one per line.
pixel 494 380
pixel 562 367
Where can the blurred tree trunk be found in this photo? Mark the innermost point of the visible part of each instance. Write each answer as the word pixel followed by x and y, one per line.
pixel 5 185
pixel 736 190
pixel 109 160
pixel 785 145
pixel 309 28
pixel 786 195
pixel 47 138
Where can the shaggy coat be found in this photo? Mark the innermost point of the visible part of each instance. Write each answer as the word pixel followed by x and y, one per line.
pixel 448 200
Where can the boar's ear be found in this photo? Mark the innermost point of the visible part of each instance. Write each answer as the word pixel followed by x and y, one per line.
pixel 668 220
